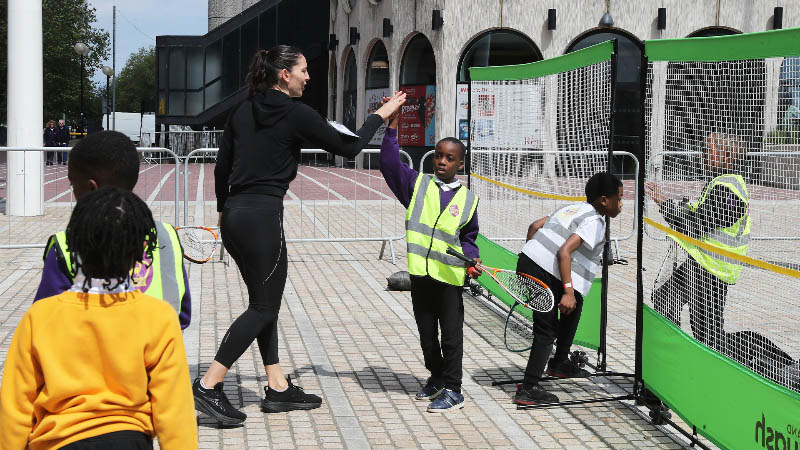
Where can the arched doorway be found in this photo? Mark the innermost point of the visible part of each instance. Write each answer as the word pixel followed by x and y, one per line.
pixel 501 47
pixel 418 80
pixel 332 85
pixel 377 81
pixel 714 31
pixel 627 119
pixel 350 91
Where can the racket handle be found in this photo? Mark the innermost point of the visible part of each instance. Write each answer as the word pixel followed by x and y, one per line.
pixel 452 252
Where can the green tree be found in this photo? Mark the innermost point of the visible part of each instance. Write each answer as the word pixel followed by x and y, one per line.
pixel 64 23
pixel 136 83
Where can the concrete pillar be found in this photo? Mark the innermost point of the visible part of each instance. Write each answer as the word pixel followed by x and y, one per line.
pixel 25 126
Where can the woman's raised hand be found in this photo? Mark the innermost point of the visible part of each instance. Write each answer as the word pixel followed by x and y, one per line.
pixel 391 105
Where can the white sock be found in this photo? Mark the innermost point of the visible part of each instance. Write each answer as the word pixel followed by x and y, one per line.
pixel 203 385
pixel 279 390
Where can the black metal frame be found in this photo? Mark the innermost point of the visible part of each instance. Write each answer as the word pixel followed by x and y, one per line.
pixel 600 368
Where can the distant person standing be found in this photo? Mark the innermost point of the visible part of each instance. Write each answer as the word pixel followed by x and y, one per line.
pixel 50 139
pixel 63 140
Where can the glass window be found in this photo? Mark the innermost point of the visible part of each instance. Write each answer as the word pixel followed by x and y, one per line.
pixel 378 67
pixel 497 48
pixel 627 96
pixel 176 103
pixel 283 27
pixel 268 29
pixel 163 66
pixel 177 68
pixel 213 94
pixel 249 47
pixel 194 103
pixel 194 68
pixel 230 63
pixel 419 63
pixel 350 92
pixel 213 61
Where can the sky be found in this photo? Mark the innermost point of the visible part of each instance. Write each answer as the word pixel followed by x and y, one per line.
pixel 140 21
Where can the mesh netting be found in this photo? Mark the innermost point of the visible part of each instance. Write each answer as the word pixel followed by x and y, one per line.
pixel 723 162
pixel 534 144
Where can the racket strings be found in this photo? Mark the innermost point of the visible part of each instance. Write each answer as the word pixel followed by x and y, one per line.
pixel 528 292
pixel 198 244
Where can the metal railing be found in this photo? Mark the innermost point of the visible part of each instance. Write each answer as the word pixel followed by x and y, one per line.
pixel 563 154
pixel 60 178
pixel 363 210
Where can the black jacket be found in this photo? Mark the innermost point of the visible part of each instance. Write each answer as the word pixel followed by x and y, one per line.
pixel 51 137
pixel 63 135
pixel 260 148
pixel 721 209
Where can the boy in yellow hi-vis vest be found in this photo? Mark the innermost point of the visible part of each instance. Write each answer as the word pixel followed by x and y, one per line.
pixel 109 158
pixel 719 218
pixel 441 214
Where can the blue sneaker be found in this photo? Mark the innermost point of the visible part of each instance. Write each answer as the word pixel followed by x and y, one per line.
pixel 448 401
pixel 433 388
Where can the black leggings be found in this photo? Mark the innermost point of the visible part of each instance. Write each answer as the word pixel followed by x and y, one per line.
pixel 252 231
pixel 118 440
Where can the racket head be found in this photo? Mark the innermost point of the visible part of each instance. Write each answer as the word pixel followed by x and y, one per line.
pixel 518 331
pixel 199 243
pixel 528 290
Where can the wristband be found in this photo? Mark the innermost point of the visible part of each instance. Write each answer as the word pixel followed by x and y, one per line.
pixel 567 285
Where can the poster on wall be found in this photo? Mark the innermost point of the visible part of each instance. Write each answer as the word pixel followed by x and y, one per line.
pixel 462 112
pixel 492 101
pixel 374 97
pixel 418 116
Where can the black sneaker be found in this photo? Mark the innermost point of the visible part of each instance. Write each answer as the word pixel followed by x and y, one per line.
pixel 566 369
pixel 289 400
pixel 533 394
pixel 214 403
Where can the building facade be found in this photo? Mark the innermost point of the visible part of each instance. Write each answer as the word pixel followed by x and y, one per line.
pixel 425 47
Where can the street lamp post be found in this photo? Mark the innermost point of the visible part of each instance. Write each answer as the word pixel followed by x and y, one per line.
pixel 108 71
pixel 82 50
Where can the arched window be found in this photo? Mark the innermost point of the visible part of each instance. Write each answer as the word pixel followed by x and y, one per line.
pixel 333 84
pixel 714 31
pixel 350 91
pixel 377 82
pixel 497 48
pixel 418 80
pixel 627 97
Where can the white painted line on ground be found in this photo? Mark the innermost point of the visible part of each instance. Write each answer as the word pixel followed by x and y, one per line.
pixel 158 187
pixel 352 180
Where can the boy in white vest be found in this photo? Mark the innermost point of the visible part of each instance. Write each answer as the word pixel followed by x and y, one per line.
pixel 563 250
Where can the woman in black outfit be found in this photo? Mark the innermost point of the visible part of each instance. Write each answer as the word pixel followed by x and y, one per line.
pixel 258 158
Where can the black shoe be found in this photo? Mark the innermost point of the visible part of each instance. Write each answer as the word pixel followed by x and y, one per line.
pixel 214 403
pixel 533 394
pixel 432 389
pixel 566 369
pixel 289 400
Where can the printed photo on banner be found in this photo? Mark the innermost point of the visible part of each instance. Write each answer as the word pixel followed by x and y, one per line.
pixel 418 116
pixel 374 97
pixel 462 112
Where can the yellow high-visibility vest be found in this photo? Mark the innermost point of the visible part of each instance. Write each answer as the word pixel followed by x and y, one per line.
pixel 430 231
pixel 162 278
pixel 735 238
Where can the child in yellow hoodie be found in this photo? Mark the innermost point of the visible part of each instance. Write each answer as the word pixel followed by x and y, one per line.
pixel 100 366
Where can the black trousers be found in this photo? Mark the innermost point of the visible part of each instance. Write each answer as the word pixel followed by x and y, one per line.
pixel 118 440
pixel 691 283
pixel 252 231
pixel 440 305
pixel 548 326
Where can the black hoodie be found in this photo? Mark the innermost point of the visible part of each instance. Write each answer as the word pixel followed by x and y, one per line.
pixel 260 148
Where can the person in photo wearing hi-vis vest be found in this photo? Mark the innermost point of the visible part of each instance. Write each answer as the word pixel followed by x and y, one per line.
pixel 109 158
pixel 719 218
pixel 564 250
pixel 441 214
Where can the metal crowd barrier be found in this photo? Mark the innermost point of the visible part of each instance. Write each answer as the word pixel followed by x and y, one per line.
pixel 615 239
pixel 63 189
pixel 331 171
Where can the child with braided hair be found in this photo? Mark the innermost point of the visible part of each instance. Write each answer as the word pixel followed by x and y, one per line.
pixel 73 379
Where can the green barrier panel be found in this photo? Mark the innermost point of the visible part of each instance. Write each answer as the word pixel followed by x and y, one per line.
pixel 495 255
pixel 729 404
pixel 564 63
pixel 765 44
